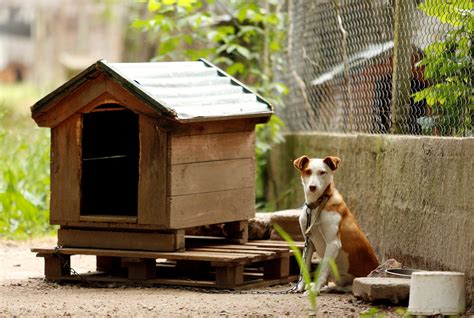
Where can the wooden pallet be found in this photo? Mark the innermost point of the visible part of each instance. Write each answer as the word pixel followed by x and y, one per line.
pixel 205 263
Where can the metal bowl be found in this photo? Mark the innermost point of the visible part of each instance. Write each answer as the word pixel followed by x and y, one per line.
pixel 401 272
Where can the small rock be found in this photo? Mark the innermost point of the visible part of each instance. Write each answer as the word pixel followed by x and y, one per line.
pixel 373 289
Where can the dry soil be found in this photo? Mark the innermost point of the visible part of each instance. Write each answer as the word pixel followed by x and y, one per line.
pixel 24 292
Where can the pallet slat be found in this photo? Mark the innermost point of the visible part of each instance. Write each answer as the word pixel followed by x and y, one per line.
pixel 251 265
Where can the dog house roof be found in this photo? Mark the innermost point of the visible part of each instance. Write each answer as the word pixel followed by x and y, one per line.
pixel 182 91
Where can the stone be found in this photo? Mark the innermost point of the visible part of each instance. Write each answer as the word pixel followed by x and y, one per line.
pixel 376 289
pixel 288 220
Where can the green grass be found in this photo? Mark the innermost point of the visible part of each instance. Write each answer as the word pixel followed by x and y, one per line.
pixel 24 166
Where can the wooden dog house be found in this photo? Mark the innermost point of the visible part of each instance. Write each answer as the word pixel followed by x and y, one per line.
pixel 142 151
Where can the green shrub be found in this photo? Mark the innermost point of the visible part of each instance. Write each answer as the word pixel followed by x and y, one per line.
pixel 24 169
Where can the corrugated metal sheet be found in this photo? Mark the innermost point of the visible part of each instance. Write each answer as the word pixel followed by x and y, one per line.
pixel 182 91
pixel 193 90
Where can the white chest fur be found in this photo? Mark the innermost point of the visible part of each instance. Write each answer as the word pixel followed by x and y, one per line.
pixel 324 232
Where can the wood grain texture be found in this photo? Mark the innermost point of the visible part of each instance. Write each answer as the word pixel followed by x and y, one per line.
pixel 71 103
pixel 103 99
pixel 66 170
pixel 130 101
pixel 212 176
pixel 216 127
pixel 111 225
pixel 152 185
pixel 211 208
pixel 209 147
pixel 146 241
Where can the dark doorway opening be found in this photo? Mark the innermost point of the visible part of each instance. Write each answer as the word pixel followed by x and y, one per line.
pixel 110 155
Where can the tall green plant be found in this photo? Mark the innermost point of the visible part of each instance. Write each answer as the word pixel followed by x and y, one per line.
pixel 449 65
pixel 305 272
pixel 24 176
pixel 242 37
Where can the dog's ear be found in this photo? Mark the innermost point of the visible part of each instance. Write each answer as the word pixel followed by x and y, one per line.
pixel 301 162
pixel 332 162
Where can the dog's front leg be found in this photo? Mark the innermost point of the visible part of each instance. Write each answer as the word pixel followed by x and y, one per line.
pixel 330 232
pixel 307 256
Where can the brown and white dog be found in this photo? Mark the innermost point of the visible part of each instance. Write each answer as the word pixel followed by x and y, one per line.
pixel 335 233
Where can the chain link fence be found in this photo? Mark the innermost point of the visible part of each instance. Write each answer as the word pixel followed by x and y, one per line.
pixel 380 66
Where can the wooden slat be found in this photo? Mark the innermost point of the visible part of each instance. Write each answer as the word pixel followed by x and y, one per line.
pixel 108 218
pixel 218 250
pixel 103 99
pixel 210 147
pixel 111 225
pixel 186 255
pixel 152 185
pixel 212 176
pixel 130 101
pixel 148 241
pixel 66 170
pixel 71 103
pixel 237 232
pixel 247 247
pixel 100 278
pixel 271 243
pixel 217 127
pixel 211 208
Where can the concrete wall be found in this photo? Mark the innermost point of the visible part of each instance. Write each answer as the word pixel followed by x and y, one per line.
pixel 413 196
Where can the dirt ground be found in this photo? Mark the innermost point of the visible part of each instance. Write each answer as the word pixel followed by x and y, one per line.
pixel 23 292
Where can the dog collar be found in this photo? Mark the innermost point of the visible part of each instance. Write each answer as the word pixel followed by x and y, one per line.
pixel 317 203
pixel 318 206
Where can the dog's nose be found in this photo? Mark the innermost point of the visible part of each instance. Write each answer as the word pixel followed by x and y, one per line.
pixel 312 188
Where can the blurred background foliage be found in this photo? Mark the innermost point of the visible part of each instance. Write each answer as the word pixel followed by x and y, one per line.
pixel 24 168
pixel 448 65
pixel 242 37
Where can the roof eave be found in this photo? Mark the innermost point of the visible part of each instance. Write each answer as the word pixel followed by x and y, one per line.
pixel 41 106
pixel 262 117
pixel 91 72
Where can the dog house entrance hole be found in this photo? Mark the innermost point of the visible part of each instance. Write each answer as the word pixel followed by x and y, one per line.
pixel 110 155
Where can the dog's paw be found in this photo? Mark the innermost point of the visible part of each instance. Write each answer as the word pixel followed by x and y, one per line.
pixel 299 287
pixel 336 289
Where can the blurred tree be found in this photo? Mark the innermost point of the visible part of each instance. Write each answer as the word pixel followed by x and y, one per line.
pixel 242 37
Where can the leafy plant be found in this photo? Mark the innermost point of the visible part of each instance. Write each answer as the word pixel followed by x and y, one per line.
pixel 305 272
pixel 24 170
pixel 448 65
pixel 242 37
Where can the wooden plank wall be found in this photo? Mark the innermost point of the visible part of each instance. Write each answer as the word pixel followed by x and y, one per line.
pixel 66 170
pixel 152 187
pixel 211 175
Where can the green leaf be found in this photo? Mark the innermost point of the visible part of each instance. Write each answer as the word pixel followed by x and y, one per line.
pixel 301 264
pixel 154 5
pixel 454 12
pixel 186 3
pixel 243 51
pixel 235 68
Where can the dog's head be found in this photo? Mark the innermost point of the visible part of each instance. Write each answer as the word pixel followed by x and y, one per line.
pixel 316 174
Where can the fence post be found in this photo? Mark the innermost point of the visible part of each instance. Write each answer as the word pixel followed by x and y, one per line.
pixel 402 52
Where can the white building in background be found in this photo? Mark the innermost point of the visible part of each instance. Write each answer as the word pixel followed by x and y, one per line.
pixel 47 41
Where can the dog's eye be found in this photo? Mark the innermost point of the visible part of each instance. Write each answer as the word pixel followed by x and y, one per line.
pixel 308 172
pixel 322 173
